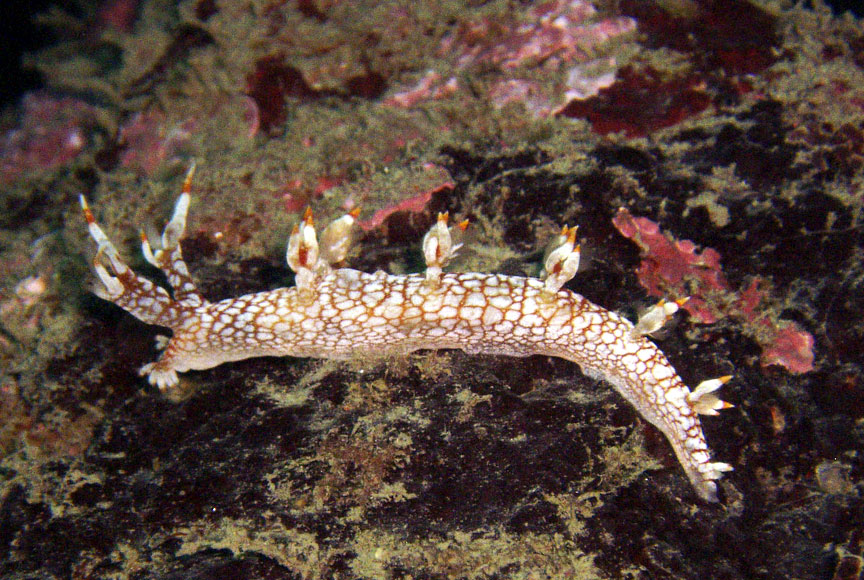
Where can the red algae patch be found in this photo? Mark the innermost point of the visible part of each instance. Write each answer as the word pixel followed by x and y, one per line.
pixel 733 35
pixel 269 85
pixel 413 204
pixel 669 263
pixel 52 132
pixel 792 349
pixel 641 101
pixel 717 47
pixel 673 268
pixel 149 141
pixel 540 59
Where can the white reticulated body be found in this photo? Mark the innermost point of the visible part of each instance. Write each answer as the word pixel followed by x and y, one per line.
pixel 340 313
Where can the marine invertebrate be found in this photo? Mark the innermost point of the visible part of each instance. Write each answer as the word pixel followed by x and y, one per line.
pixel 339 313
pixel 52 132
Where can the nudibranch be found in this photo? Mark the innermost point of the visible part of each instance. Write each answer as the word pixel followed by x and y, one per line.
pixel 340 313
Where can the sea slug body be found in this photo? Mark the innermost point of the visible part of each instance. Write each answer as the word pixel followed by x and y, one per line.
pixel 340 313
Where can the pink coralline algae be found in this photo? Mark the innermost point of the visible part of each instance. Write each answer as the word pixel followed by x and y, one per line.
pixel 558 37
pixel 26 294
pixel 792 348
pixel 707 34
pixel 555 29
pixel 297 195
pixel 149 141
pixel 673 268
pixel 22 310
pixel 669 264
pixel 414 204
pixel 53 131
pixel 430 86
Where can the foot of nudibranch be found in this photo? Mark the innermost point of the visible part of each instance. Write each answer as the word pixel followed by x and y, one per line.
pixel 713 471
pixel 160 375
